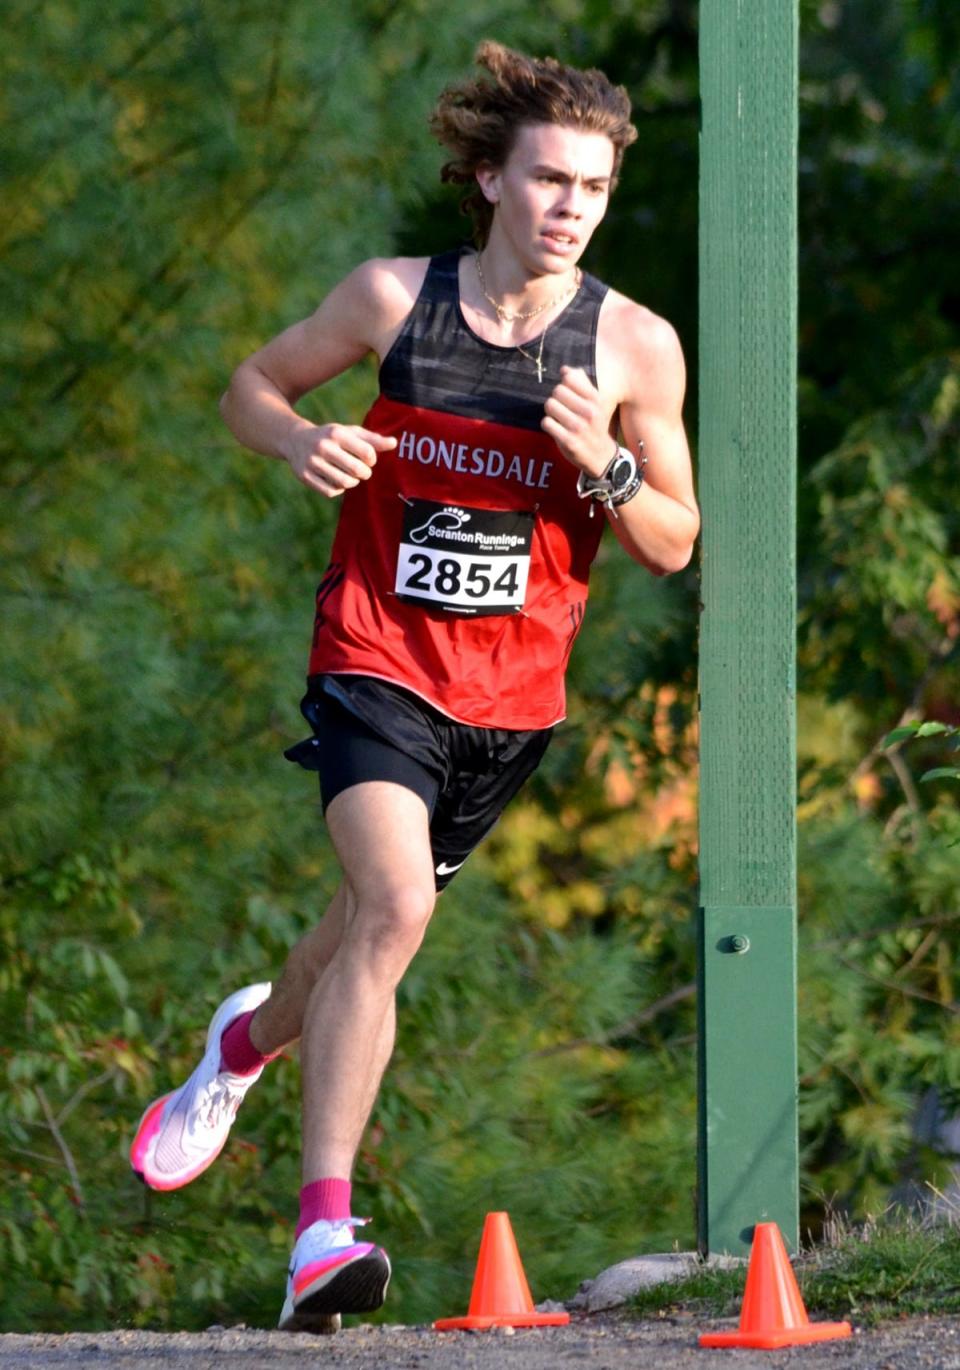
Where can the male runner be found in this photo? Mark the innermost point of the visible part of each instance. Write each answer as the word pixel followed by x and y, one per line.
pixel 473 500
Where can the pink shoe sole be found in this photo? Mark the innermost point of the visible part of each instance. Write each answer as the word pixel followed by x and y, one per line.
pixel 148 1129
pixel 315 1275
pixel 139 1151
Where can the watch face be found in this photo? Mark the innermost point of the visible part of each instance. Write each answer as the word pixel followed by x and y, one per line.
pixel 623 471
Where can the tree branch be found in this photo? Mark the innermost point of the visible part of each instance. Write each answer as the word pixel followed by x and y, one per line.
pixel 911 714
pixel 646 1015
pixel 61 1142
pixel 86 1088
pixel 933 921
pixel 951 1007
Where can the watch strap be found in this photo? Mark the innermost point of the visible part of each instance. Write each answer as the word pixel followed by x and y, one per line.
pixel 619 482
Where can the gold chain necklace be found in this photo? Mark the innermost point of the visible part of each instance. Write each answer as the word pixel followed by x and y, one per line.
pixel 504 316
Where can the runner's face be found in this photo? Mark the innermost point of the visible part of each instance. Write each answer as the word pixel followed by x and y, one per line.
pixel 550 195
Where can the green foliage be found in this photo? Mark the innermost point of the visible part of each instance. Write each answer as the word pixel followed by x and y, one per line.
pixel 881 610
pixel 710 1291
pixel 879 276
pixel 930 728
pixel 871 1273
pixel 879 623
pixel 887 1270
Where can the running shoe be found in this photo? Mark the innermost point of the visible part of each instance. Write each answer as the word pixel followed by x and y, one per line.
pixel 329 1274
pixel 184 1132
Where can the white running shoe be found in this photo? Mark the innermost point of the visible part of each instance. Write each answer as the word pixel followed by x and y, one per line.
pixel 330 1274
pixel 184 1132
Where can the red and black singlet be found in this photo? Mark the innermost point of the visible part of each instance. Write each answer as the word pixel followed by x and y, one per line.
pixel 460 569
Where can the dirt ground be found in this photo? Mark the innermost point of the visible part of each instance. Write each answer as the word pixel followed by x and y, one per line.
pixel 605 1342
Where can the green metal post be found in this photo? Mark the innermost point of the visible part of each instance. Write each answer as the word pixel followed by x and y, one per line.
pixel 747 1069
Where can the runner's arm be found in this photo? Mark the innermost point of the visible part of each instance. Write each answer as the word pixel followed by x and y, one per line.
pixel 356 318
pixel 659 526
pixel 643 378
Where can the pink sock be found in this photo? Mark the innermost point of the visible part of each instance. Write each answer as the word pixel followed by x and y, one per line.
pixel 329 1199
pixel 237 1052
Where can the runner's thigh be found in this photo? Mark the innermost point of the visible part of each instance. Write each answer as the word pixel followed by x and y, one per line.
pixel 381 833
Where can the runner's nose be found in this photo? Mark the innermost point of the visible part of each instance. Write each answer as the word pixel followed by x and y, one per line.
pixel 571 202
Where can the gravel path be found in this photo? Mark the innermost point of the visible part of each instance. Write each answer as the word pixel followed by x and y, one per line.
pixel 601 1343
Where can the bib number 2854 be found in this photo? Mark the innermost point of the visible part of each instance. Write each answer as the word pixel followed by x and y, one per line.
pixel 464 561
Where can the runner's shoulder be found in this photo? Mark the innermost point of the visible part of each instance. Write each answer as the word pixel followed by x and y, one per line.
pixel 640 344
pixel 387 287
pixel 638 329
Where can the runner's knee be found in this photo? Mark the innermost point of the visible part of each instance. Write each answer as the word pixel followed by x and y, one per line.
pixel 390 924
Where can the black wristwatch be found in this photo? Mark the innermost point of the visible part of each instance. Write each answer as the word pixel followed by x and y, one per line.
pixel 619 482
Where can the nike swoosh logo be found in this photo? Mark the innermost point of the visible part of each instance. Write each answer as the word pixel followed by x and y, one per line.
pixel 444 869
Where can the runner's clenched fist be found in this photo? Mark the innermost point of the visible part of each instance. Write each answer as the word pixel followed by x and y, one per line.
pixel 578 419
pixel 334 457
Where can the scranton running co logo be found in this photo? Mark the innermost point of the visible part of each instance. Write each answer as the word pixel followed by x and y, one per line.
pixel 491 532
pixel 448 520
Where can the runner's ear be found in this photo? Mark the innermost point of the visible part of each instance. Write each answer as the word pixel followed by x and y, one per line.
pixel 488 179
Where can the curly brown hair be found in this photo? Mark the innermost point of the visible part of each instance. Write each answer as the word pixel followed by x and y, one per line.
pixel 478 120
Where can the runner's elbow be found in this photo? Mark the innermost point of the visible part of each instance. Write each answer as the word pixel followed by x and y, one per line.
pixel 679 562
pixel 670 560
pixel 230 396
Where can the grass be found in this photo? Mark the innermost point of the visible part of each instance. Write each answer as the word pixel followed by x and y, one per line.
pixel 887 1268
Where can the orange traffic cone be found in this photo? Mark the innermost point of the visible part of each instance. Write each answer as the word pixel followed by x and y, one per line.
pixel 501 1295
pixel 773 1313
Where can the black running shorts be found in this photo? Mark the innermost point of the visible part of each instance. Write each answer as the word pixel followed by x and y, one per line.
pixel 367 729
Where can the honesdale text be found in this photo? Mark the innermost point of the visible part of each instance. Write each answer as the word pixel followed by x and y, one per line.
pixel 475 461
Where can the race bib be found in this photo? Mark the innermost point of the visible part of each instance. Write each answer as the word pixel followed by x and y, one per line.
pixel 465 561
